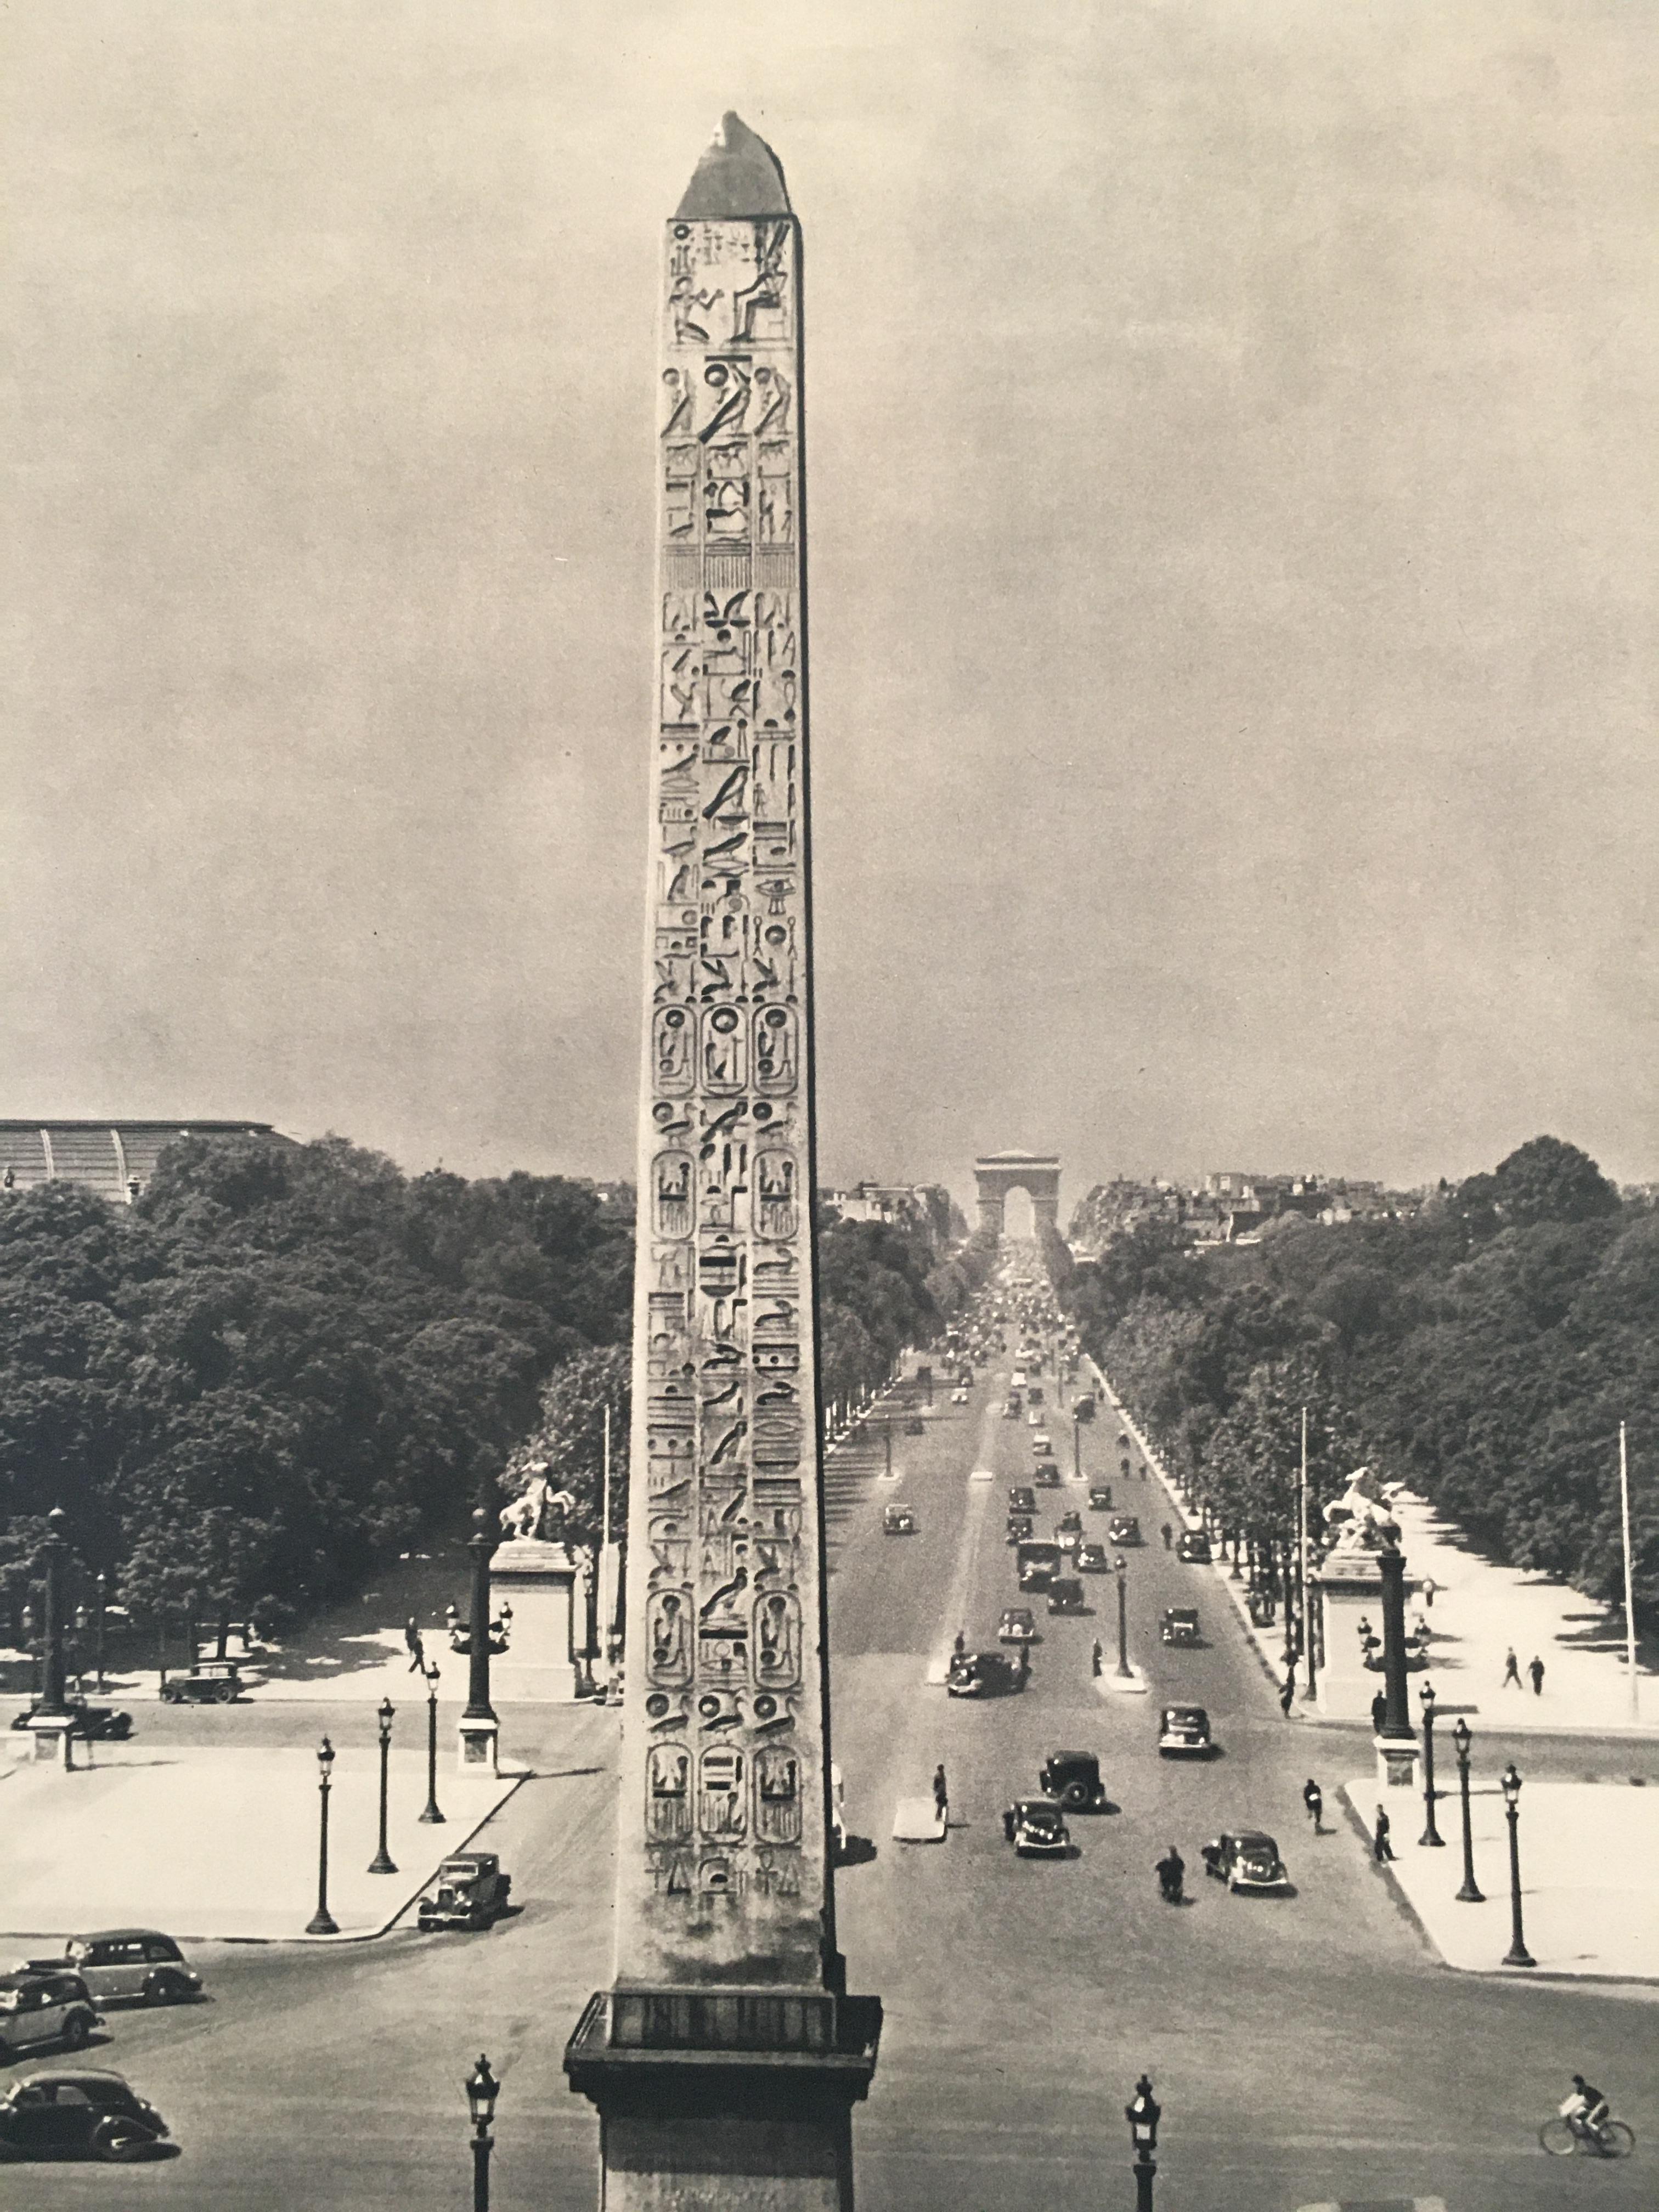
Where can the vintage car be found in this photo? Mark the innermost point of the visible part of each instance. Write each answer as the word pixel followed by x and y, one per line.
pixel 1011 1409
pixel 96 1723
pixel 1124 1528
pixel 1043 1444
pixel 1020 1526
pixel 1092 1560
pixel 209 1682
pixel 1022 1499
pixel 45 2004
pixel 959 1395
pixel 982 1674
pixel 897 1521
pixel 1034 1398
pixel 1073 1776
pixel 1249 1860
pixel 470 1891
pixel 56 2112
pixel 1066 1596
pixel 1046 1474
pixel 1070 1524
pixel 1036 1829
pixel 1179 1624
pixel 137 1963
pixel 1037 1563
pixel 1100 1498
pixel 1193 1547
pixel 1017 1625
pixel 1183 1732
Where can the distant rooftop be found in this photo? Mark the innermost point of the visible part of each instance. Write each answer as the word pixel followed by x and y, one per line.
pixel 737 176
pixel 114 1158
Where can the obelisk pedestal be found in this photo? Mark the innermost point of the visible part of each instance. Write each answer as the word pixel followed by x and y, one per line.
pixel 725 2057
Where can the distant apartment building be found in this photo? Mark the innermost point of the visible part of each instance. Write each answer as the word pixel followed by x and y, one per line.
pixel 1231 1206
pixel 115 1159
pixel 924 1205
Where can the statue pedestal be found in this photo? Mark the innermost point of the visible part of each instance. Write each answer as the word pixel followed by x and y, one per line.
pixel 1352 1591
pixel 542 1582
pixel 477 1746
pixel 1396 1761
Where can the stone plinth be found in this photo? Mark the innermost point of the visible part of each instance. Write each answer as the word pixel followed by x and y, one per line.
pixel 541 1582
pixel 1351 1589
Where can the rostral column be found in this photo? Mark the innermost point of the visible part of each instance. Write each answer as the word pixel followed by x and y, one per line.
pixel 725 2056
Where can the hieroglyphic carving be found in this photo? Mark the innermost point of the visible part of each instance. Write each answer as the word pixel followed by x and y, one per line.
pixel 723 1732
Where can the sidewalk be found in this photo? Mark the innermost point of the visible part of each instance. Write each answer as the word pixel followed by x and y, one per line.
pixel 1479 1610
pixel 1589 1905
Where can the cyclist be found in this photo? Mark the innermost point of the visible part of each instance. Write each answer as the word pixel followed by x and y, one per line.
pixel 1313 1798
pixel 1586 2109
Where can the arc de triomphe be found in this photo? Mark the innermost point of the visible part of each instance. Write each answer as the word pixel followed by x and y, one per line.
pixel 1037 1174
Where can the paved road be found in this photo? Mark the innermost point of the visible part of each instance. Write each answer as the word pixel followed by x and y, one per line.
pixel 1304 2049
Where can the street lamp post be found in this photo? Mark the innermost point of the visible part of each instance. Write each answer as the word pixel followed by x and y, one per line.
pixel 1471 1893
pixel 1143 2115
pixel 382 1861
pixel 53 1685
pixel 1120 1569
pixel 432 1816
pixel 1431 1835
pixel 1517 1955
pixel 482 2091
pixel 887 1445
pixel 27 1622
pixel 1077 1449
pixel 322 1921
pixel 103 1599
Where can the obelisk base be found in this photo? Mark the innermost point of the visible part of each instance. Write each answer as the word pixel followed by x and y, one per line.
pixel 735 2099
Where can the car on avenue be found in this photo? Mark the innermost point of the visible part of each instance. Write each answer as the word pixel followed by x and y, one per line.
pixel 1070 1524
pixel 1083 1410
pixel 139 1964
pixel 1100 1498
pixel 1046 1474
pixel 1016 1380
pixel 1037 1563
pixel 94 1723
pixel 1020 1526
pixel 1179 1624
pixel 45 2004
pixel 1012 1408
pixel 470 1892
pixel 209 1682
pixel 1183 1731
pixel 1073 1776
pixel 1017 1624
pixel 1193 1547
pixel 56 2112
pixel 915 1427
pixel 982 1674
pixel 1043 1444
pixel 1038 1830
pixel 1248 1860
pixel 1092 1560
pixel 1022 1499
pixel 1066 1596
pixel 898 1521
pixel 1124 1528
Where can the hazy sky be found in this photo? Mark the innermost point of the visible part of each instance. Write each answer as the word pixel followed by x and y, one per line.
pixel 1234 464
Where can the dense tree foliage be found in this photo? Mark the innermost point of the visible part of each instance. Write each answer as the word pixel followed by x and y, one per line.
pixel 1484 1351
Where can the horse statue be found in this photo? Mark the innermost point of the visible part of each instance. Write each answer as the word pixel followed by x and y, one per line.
pixel 538 1512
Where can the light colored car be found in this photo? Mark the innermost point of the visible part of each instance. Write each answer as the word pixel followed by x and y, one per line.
pixel 959 1395
pixel 40 2005
pixel 1043 1444
pixel 1183 1731
pixel 1016 1626
pixel 140 1965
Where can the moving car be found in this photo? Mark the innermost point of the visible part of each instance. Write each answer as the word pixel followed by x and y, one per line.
pixel 1083 1410
pixel 1046 1474
pixel 1011 1409
pixel 138 1963
pixel 1249 1860
pixel 1073 1776
pixel 209 1682
pixel 1100 1498
pixel 1184 1731
pixel 1016 1626
pixel 470 1892
pixel 1179 1624
pixel 1066 1596
pixel 1034 1395
pixel 898 1521
pixel 1092 1560
pixel 1022 1499
pixel 1037 1830
pixel 1070 1524
pixel 959 1395
pixel 68 2109
pixel 1193 1547
pixel 1037 1563
pixel 981 1675
pixel 1124 1528
pixel 1043 1444
pixel 1020 1526
pixel 45 2004
pixel 96 1723
pixel 1017 1378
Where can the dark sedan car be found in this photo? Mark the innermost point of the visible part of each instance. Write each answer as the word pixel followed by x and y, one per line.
pixel 96 1723
pixel 1124 1528
pixel 70 2111
pixel 1073 1776
pixel 1193 1547
pixel 1249 1860
pixel 1037 1829
pixel 1022 1499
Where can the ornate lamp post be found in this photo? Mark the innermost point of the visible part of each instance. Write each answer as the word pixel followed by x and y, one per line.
pixel 1471 1893
pixel 482 2091
pixel 1517 1955
pixel 103 1604
pixel 79 1671
pixel 26 1621
pixel 322 1921
pixel 1143 2116
pixel 1077 1446
pixel 1120 1569
pixel 479 1728
pixel 1431 1835
pixel 432 1816
pixel 382 1861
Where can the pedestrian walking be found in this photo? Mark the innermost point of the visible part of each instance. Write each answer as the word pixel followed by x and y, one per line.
pixel 1511 1670
pixel 412 1644
pixel 960 1642
pixel 1024 1664
pixel 942 1796
pixel 1096 1657
pixel 1381 1847
pixel 1536 1670
pixel 1314 1798
pixel 1166 1536
pixel 1379 1712
pixel 1288 1695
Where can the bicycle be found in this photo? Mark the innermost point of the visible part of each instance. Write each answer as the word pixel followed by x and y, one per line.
pixel 1561 2136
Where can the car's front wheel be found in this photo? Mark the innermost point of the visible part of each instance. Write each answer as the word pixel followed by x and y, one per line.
pixel 76 2028
pixel 166 1990
pixel 117 2140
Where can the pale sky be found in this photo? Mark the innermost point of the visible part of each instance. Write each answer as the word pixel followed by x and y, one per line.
pixel 1234 464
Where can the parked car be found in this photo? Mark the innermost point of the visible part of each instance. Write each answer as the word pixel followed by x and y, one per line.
pixel 1249 1860
pixel 45 2004
pixel 982 1674
pixel 1124 1528
pixel 1022 1499
pixel 1036 1829
pixel 96 1723
pixel 1179 1624
pixel 209 1682
pixel 898 1521
pixel 1073 1776
pixel 99 2114
pixel 1066 1596
pixel 1193 1547
pixel 1092 1560
pixel 1184 1731
pixel 138 1963
pixel 470 1892
pixel 1100 1498
pixel 1017 1624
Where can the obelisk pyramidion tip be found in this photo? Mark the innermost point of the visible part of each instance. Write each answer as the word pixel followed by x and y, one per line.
pixel 738 175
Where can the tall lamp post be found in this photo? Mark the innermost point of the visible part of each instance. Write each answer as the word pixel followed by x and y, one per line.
pixel 1471 1893
pixel 1517 1955
pixel 1077 1447
pixel 432 1816
pixel 482 2091
pixel 382 1861
pixel 1431 1835
pixel 322 1921
pixel 103 1604
pixel 479 1729
pixel 1143 2115
pixel 1120 1569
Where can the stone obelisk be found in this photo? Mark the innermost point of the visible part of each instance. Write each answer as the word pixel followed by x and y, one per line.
pixel 725 2057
